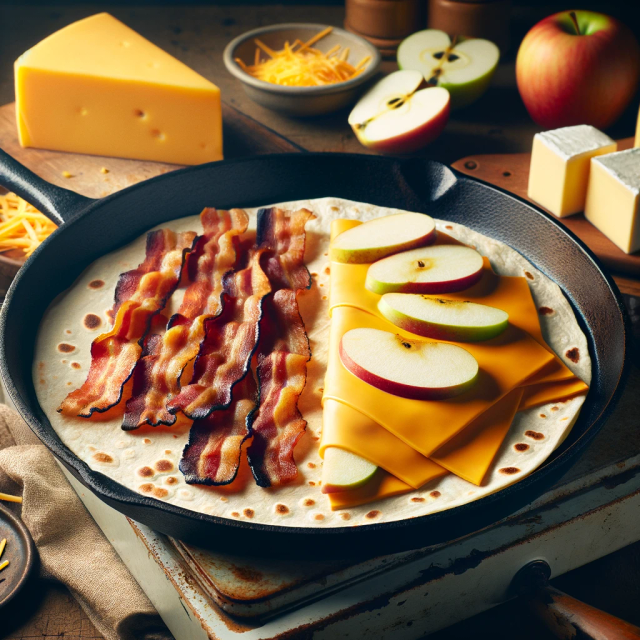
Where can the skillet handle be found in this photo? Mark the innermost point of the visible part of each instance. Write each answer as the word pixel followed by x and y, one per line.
pixel 56 203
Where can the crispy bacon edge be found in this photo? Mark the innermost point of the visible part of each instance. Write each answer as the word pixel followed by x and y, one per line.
pixel 156 378
pixel 213 453
pixel 114 354
pixel 278 425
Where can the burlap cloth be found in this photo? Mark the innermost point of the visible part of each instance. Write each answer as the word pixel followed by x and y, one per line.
pixel 72 549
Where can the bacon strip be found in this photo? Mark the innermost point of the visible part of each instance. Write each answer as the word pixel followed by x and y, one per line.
pixel 156 378
pixel 230 340
pixel 282 373
pixel 140 294
pixel 212 457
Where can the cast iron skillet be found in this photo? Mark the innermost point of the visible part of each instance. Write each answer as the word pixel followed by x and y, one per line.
pixel 94 227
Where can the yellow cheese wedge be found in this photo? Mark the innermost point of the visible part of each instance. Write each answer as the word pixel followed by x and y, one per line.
pixel 560 166
pixel 613 196
pixel 98 87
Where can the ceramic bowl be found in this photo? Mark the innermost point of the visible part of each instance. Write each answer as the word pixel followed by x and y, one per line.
pixel 301 101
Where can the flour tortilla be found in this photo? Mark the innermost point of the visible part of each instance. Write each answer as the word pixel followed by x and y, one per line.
pixel 120 455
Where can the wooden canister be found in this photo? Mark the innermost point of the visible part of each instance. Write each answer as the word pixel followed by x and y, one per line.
pixel 472 18
pixel 384 23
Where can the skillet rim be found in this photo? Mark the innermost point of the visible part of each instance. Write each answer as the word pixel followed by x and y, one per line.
pixel 109 490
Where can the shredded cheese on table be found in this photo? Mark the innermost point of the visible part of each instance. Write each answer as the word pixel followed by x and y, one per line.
pixel 9 498
pixel 21 226
pixel 2 546
pixel 300 65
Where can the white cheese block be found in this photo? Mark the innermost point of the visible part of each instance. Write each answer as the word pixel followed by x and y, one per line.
pixel 612 198
pixel 559 171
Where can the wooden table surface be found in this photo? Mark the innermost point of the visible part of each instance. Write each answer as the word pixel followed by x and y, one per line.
pixel 498 123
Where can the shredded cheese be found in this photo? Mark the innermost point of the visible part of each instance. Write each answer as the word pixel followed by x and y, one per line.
pixel 300 65
pixel 21 227
pixel 4 564
pixel 3 544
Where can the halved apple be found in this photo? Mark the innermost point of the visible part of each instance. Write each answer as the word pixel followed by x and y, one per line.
pixel 408 368
pixel 464 67
pixel 456 320
pixel 343 470
pixel 395 117
pixel 439 269
pixel 383 237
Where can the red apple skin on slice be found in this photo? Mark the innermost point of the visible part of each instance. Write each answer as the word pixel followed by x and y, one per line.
pixel 383 237
pixel 432 317
pixel 428 270
pixel 414 369
pixel 418 138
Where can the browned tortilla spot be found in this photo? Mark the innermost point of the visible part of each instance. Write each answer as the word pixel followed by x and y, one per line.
pixel 159 492
pixel 509 470
pixel 223 499
pixel 164 465
pixel 435 494
pixel 534 435
pixel 372 514
pixel 529 275
pixel 235 514
pixel 76 365
pixel 167 452
pixel 92 321
pixel 68 331
pixel 312 483
pixel 102 457
pixel 282 509
pixel 249 513
pixel 542 415
pixel 65 347
pixel 145 472
pixel 319 516
pixel 573 354
pixel 311 465
pixel 146 488
pixel 417 499
pixel 545 311
pixel 147 441
pixel 345 516
pixel 554 408
pixel 171 480
pixel 448 226
pixel 96 284
pixel 327 270
pixel 309 502
pixel 520 446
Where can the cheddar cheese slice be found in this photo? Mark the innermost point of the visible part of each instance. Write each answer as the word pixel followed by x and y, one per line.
pixel 98 87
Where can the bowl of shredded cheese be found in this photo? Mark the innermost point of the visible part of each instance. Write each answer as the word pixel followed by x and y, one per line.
pixel 302 69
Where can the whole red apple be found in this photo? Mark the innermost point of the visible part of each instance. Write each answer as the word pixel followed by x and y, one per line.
pixel 578 67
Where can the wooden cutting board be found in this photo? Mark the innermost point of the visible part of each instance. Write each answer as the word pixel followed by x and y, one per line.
pixel 242 135
pixel 511 172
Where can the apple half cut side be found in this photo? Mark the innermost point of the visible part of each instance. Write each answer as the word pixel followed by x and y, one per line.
pixel 395 117
pixel 437 269
pixel 464 67
pixel 382 237
pixel 343 470
pixel 431 317
pixel 408 368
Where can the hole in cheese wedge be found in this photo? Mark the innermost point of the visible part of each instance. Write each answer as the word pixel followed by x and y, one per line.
pixel 456 320
pixel 343 470
pixel 408 368
pixel 382 237
pixel 438 269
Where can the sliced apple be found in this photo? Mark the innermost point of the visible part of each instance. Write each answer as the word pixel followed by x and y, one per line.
pixel 464 67
pixel 408 368
pixel 439 269
pixel 343 470
pixel 383 237
pixel 455 320
pixel 395 117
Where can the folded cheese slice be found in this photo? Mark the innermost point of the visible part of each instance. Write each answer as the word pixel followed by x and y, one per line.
pixel 471 450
